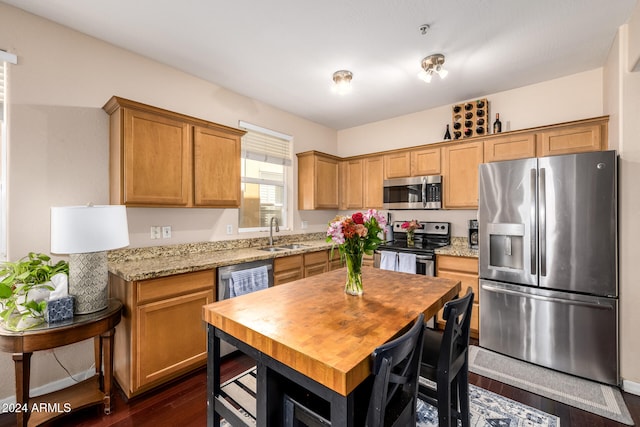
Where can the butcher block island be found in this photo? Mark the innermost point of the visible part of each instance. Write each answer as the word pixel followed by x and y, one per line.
pixel 316 336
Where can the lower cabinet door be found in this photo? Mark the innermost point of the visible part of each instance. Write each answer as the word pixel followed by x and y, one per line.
pixel 170 337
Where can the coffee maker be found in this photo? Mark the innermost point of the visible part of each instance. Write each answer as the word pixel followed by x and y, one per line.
pixel 473 233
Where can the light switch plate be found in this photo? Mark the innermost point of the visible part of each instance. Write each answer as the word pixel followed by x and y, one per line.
pixel 166 232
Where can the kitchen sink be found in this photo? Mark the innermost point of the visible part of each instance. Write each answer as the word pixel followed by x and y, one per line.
pixel 294 246
pixel 271 249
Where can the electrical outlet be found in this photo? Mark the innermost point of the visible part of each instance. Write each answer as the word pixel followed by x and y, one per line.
pixel 156 233
pixel 229 229
pixel 304 225
pixel 166 232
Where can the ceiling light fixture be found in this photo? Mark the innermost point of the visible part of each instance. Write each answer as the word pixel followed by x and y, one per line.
pixel 342 80
pixel 430 65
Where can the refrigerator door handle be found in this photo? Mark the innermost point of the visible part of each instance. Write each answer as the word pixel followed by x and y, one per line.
pixel 545 298
pixel 542 200
pixel 533 223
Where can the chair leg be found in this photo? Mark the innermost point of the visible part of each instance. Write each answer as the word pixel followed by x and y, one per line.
pixel 444 403
pixel 463 388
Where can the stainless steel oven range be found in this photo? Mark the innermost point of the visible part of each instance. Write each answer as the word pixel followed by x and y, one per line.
pixel 430 236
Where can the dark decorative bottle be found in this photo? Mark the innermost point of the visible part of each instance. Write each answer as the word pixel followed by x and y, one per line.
pixel 497 125
pixel 447 135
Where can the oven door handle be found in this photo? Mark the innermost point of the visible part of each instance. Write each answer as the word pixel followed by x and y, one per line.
pixel 423 258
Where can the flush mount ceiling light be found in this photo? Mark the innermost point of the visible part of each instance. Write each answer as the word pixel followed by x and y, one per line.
pixel 430 65
pixel 342 80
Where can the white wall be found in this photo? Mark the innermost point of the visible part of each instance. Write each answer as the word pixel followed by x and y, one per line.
pixel 622 102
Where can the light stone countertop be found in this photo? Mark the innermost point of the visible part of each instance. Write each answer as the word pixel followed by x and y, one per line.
pixel 459 247
pixel 159 261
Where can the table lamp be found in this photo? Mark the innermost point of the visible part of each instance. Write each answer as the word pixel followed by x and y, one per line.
pixel 86 233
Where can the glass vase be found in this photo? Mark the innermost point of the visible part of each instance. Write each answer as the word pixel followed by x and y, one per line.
pixel 353 286
pixel 410 241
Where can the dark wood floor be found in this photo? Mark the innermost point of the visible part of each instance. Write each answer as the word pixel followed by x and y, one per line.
pixel 183 404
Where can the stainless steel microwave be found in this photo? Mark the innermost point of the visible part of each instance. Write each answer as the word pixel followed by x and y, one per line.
pixel 420 192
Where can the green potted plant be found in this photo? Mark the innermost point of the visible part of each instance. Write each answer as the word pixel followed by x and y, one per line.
pixel 25 287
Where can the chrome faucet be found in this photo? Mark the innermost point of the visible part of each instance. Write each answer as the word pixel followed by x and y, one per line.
pixel 273 218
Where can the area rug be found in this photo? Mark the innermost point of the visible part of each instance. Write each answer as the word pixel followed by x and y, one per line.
pixel 487 408
pixel 492 410
pixel 590 396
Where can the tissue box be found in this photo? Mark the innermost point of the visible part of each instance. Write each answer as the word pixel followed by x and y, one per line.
pixel 59 309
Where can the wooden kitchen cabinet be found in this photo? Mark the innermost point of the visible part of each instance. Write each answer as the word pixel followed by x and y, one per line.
pixel 460 174
pixel 510 147
pixel 216 157
pixel 464 269
pixel 373 177
pixel 153 161
pixel 318 181
pixel 316 263
pixel 425 161
pixel 334 259
pixel 160 336
pixel 361 183
pixel 352 196
pixel 579 138
pixel 419 162
pixel 287 269
pixel 397 165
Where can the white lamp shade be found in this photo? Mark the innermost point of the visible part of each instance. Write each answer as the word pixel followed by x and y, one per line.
pixel 83 229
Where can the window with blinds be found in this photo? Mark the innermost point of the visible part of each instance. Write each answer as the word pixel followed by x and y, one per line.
pixel 266 164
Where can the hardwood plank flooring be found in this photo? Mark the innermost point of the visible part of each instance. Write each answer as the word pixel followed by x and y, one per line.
pixel 183 403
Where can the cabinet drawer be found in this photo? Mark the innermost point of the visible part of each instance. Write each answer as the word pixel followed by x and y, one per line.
pixel 457 263
pixel 287 263
pixel 321 257
pixel 180 284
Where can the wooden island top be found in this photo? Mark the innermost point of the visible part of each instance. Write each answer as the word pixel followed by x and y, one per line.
pixel 312 326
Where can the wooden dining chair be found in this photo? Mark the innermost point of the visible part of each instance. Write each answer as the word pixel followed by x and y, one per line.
pixel 445 361
pixel 394 392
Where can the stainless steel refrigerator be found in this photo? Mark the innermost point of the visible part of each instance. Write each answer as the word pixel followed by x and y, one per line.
pixel 549 264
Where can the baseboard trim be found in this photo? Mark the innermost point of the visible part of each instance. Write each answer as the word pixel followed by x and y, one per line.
pixel 51 387
pixel 631 387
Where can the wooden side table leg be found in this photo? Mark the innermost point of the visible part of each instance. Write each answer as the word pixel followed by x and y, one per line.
pixel 22 362
pixel 97 349
pixel 107 352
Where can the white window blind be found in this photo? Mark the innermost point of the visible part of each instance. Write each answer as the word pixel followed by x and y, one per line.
pixel 264 145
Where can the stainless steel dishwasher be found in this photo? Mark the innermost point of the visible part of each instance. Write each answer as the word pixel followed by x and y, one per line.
pixel 224 282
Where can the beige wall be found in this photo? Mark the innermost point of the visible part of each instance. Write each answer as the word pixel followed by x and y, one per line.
pixel 58 153
pixel 622 102
pixel 58 144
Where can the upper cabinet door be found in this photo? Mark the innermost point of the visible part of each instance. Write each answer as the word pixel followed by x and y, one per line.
pixel 216 168
pixel 318 181
pixel 397 165
pixel 425 162
pixel 574 139
pixel 460 175
pixel 157 160
pixel 354 185
pixel 511 147
pixel 373 182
